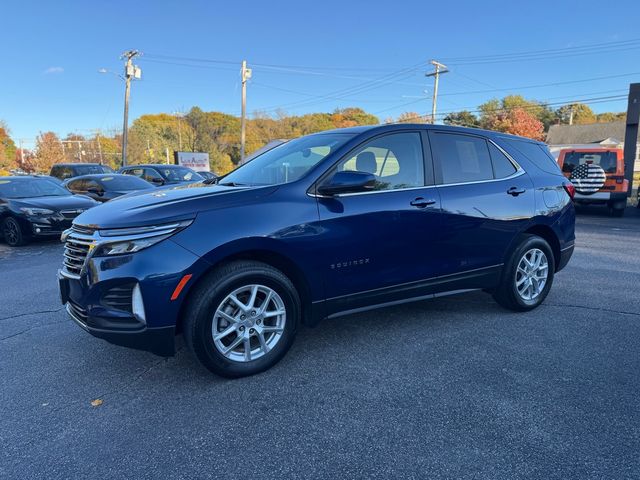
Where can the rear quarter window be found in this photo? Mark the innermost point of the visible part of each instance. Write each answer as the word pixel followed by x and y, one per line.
pixel 537 154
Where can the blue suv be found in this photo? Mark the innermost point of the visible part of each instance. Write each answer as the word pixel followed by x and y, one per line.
pixel 321 226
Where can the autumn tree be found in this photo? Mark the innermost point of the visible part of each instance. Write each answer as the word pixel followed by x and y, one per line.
pixel 48 152
pixel 539 110
pixel 7 149
pixel 517 121
pixel 351 117
pixel 412 117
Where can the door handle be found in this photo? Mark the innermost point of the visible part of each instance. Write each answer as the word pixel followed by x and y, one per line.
pixel 515 191
pixel 421 202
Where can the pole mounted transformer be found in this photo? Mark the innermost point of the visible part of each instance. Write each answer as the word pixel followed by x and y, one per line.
pixel 631 133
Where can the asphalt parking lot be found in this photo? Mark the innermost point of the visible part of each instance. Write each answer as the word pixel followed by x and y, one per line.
pixel 449 388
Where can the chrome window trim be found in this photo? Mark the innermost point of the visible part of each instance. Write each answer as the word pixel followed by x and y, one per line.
pixel 519 172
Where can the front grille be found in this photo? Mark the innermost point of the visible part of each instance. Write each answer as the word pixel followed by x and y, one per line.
pixel 76 249
pixel 118 297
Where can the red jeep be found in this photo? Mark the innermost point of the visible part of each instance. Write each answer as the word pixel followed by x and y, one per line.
pixel 598 175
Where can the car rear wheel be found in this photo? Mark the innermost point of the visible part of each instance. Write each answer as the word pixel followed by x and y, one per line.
pixel 242 318
pixel 12 232
pixel 527 276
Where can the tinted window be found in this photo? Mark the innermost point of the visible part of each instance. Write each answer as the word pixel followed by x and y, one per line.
pixel 122 183
pixel 138 172
pixel 502 166
pixel 535 153
pixel 462 158
pixel 150 175
pixel 607 160
pixel 30 187
pixel 61 172
pixel 76 185
pixel 396 160
pixel 179 174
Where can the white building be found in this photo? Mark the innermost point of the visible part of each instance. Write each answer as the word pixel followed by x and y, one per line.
pixel 606 135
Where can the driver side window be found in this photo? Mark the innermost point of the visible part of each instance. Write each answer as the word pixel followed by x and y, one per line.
pixel 395 160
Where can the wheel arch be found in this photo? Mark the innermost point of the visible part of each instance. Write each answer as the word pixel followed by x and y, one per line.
pixel 547 233
pixel 269 256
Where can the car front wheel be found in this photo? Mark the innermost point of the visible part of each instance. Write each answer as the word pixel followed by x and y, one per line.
pixel 527 276
pixel 241 319
pixel 12 232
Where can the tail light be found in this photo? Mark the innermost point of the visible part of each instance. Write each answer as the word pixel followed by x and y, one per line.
pixel 570 189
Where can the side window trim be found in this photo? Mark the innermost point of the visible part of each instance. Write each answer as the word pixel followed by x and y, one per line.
pixel 438 168
pixel 427 169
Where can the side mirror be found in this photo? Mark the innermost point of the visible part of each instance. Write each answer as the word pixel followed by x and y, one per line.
pixel 157 181
pixel 348 182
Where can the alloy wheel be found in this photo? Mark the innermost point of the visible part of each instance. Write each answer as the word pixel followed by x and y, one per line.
pixel 248 323
pixel 10 232
pixel 532 274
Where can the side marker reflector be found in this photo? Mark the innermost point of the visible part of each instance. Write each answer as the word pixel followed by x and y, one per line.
pixel 180 286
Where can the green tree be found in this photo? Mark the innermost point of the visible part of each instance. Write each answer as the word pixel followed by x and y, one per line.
pixel 463 118
pixel 582 114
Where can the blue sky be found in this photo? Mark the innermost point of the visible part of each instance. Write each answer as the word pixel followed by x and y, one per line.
pixel 307 56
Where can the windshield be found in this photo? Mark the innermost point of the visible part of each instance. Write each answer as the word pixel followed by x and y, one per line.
pixel 179 174
pixel 606 160
pixel 287 162
pixel 124 183
pixel 91 169
pixel 30 187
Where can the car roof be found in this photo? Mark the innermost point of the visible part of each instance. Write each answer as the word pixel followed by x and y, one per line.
pixel 23 177
pixel 392 127
pixel 78 164
pixel 98 176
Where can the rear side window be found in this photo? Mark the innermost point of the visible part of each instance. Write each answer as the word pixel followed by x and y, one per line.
pixel 462 158
pixel 607 160
pixel 536 154
pixel 502 166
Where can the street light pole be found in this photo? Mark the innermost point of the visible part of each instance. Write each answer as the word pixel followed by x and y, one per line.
pixel 129 71
pixel 440 68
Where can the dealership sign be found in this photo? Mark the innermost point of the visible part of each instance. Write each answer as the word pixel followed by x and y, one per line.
pixel 194 160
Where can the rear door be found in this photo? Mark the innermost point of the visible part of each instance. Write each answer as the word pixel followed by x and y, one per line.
pixel 486 200
pixel 377 243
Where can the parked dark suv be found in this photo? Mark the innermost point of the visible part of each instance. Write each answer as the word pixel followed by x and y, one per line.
pixel 322 226
pixel 158 174
pixel 63 171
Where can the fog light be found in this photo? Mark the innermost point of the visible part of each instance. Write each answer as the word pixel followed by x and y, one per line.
pixel 37 230
pixel 137 305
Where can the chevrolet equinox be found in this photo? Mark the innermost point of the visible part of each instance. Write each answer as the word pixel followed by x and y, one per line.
pixel 322 226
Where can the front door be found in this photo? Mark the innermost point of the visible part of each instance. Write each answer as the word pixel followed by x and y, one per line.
pixel 376 246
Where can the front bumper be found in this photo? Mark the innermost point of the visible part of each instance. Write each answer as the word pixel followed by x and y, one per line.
pixel 46 226
pixel 97 299
pixel 160 341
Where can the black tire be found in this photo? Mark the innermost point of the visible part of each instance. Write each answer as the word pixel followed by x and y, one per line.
pixel 212 290
pixel 12 232
pixel 506 294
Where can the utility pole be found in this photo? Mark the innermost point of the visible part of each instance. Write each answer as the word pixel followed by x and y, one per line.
pixel 440 68
pixel 246 75
pixel 99 147
pixel 571 116
pixel 130 71
pixel 21 153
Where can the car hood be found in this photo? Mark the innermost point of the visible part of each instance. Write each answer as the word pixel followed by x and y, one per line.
pixel 165 205
pixel 69 202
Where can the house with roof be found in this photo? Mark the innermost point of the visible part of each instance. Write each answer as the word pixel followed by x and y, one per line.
pixel 606 135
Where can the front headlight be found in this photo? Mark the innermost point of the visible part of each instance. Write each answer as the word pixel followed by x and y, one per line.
pixel 33 212
pixel 130 240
